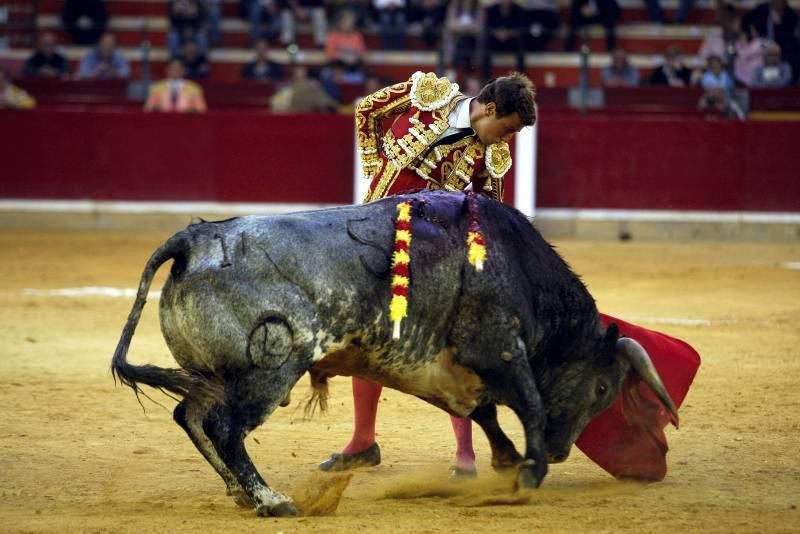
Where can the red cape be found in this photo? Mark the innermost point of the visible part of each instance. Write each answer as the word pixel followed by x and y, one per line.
pixel 628 440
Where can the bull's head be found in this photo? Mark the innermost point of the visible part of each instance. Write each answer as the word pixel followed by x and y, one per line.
pixel 576 391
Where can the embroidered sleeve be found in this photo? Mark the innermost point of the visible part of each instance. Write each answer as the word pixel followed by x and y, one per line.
pixel 370 112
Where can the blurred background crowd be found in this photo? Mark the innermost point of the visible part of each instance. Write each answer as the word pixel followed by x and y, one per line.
pixel 318 55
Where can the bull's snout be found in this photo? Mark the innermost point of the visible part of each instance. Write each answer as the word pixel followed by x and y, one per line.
pixel 557 458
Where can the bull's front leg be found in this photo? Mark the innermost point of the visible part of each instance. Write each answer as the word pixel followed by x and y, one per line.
pixel 526 402
pixel 504 454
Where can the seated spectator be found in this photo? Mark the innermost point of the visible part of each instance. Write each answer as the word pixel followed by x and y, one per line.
pixel 312 11
pixel 84 20
pixel 345 46
pixel 11 96
pixel 585 12
pixel 429 16
pixel 188 21
pixel 727 39
pixel 194 61
pixel 392 18
pixel 46 62
pixel 302 95
pixel 175 94
pixel 464 35
pixel 472 86
pixel 774 72
pixel 105 62
pixel 505 23
pixel 718 87
pixel 776 21
pixel 657 14
pixel 213 10
pixel 620 73
pixel 265 19
pixel 542 23
pixel 262 68
pixel 672 72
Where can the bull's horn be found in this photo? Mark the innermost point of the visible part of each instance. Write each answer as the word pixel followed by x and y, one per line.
pixel 640 360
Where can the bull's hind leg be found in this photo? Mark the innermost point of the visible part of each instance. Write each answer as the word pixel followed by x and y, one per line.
pixel 250 399
pixel 504 454
pixel 189 414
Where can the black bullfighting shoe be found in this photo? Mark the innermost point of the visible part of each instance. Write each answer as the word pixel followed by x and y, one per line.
pixel 342 462
pixel 460 473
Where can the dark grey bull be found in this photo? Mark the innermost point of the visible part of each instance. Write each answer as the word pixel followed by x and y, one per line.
pixel 253 303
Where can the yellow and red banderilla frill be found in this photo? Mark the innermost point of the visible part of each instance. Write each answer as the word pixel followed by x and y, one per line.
pixel 400 266
pixel 476 251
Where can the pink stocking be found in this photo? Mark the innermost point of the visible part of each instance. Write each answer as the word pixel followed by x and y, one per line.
pixel 365 405
pixel 465 454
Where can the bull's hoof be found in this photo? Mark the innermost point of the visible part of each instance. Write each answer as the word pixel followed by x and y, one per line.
pixel 342 462
pixel 282 509
pixel 530 475
pixel 241 498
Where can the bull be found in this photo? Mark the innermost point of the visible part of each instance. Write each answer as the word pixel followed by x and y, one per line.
pixel 253 303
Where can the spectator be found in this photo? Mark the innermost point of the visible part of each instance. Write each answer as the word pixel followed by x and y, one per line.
pixel 776 21
pixel 345 46
pixel 175 94
pixel 620 73
pixel 46 62
pixel 213 10
pixel 84 20
pixel 463 37
pixel 429 16
pixel 672 72
pixel 265 19
pixel 657 14
pixel 188 21
pixel 312 11
pixel 194 61
pixel 392 18
pixel 584 12
pixel 11 96
pixel 718 87
pixel 262 68
pixel 505 23
pixel 472 86
pixel 731 44
pixel 302 95
pixel 774 72
pixel 542 23
pixel 104 62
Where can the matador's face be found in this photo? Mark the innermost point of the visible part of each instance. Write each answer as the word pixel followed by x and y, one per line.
pixel 492 129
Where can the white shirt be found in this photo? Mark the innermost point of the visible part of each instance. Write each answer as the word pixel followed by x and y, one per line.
pixel 458 118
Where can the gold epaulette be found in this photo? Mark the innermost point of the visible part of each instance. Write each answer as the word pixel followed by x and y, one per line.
pixel 498 159
pixel 429 92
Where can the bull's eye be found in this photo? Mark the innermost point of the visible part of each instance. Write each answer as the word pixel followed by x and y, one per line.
pixel 600 390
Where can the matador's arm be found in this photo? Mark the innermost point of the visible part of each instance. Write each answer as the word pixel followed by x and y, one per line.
pixel 370 113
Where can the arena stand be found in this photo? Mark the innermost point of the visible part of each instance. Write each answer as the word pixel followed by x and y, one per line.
pixel 646 161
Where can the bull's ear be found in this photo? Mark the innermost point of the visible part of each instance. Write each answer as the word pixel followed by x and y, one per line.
pixel 610 342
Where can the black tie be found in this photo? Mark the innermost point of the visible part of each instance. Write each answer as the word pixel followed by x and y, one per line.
pixel 453 137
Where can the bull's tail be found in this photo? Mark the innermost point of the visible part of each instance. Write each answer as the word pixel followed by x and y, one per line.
pixel 182 382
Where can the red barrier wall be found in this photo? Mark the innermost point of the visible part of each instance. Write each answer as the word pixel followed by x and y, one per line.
pixel 594 161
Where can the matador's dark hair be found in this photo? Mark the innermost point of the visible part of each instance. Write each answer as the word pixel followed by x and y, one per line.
pixel 511 94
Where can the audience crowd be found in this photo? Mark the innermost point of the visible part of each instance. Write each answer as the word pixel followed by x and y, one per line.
pixel 758 48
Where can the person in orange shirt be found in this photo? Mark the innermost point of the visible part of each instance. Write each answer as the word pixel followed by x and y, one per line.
pixel 175 93
pixel 345 44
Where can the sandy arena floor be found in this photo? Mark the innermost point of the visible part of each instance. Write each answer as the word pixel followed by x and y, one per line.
pixel 78 453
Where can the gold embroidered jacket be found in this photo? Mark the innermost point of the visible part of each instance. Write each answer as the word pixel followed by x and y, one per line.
pixel 400 158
